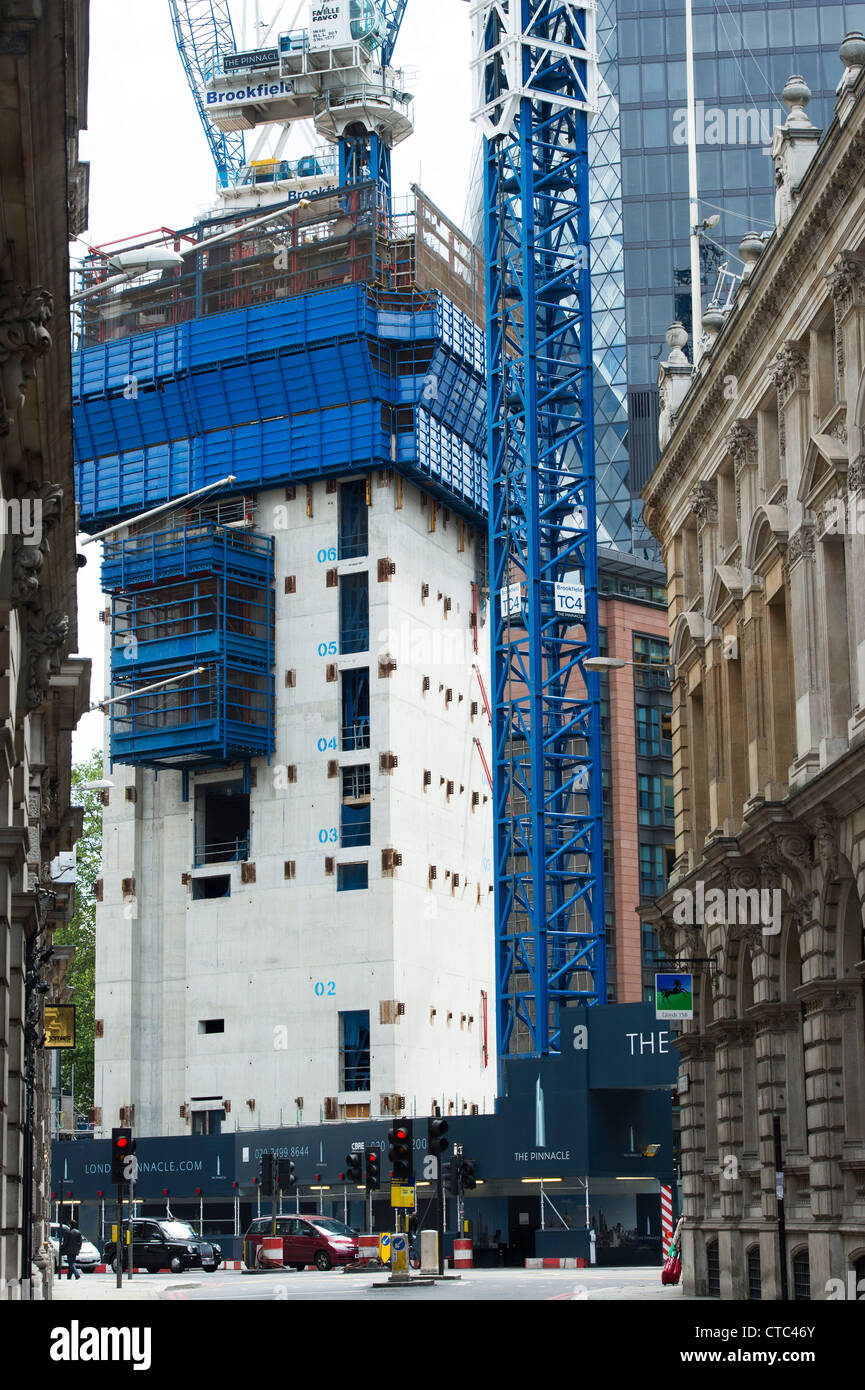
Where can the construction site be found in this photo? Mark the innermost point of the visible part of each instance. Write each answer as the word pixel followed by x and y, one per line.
pixel 339 454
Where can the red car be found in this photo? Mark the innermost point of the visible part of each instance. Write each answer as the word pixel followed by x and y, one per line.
pixel 306 1240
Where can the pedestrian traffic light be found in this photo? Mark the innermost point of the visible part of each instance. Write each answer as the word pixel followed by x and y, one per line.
pixel 355 1164
pixel 373 1172
pixel 286 1180
pixel 268 1175
pixel 467 1175
pixel 124 1164
pixel 401 1151
pixel 451 1177
pixel 436 1142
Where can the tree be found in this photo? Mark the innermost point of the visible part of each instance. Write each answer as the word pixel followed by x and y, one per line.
pixel 81 933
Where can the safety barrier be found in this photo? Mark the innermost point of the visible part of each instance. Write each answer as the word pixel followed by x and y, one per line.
pixel 463 1254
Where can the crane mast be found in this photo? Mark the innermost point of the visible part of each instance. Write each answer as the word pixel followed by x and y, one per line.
pixel 535 91
pixel 203 28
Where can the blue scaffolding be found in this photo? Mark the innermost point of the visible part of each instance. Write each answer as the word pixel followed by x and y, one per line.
pixel 276 354
pixel 195 602
pixel 537 93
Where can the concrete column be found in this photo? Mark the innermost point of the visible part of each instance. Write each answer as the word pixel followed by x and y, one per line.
pixel 826 1003
pixel 691 1048
pixel 753 658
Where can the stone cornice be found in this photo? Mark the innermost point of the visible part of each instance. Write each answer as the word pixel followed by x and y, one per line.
pixel 780 1016
pixel 838 168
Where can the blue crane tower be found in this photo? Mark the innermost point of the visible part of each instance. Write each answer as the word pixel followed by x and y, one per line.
pixel 202 29
pixel 535 71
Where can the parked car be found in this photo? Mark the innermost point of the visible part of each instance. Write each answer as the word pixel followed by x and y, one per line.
pixel 306 1240
pixel 168 1244
pixel 88 1256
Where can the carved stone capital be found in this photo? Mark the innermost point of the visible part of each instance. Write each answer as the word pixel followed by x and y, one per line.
pixel 742 445
pixel 44 645
pixel 704 504
pixel 790 372
pixel 802 544
pixel 856 474
pixel 846 281
pixel 825 826
pixel 38 509
pixel 24 338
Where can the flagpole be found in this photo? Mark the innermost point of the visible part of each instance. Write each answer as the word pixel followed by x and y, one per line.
pixel 693 191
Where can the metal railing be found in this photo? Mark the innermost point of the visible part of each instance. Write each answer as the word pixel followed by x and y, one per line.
pixel 226 852
pixel 356 736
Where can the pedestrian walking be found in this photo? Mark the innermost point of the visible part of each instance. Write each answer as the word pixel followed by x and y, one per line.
pixel 672 1271
pixel 71 1241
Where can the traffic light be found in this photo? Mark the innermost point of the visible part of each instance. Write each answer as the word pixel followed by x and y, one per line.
pixel 401 1151
pixel 436 1142
pixel 355 1165
pixel 467 1175
pixel 268 1164
pixel 373 1172
pixel 124 1164
pixel 286 1181
pixel 451 1177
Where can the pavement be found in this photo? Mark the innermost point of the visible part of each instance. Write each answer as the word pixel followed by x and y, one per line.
pixel 500 1285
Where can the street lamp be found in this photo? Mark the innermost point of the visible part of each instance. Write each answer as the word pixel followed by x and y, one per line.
pixel 603 664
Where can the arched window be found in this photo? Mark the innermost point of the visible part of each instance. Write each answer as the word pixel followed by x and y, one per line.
pixel 802 1276
pixel 713 1270
pixel 755 1282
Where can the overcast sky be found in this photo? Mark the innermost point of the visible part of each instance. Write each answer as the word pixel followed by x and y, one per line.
pixel 150 164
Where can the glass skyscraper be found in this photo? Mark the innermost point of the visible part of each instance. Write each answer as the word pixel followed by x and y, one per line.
pixel 744 53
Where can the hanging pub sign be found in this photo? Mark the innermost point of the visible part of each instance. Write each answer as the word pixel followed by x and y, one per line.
pixel 674 996
pixel 59 1026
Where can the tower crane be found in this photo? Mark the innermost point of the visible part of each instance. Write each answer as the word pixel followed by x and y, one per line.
pixel 201 29
pixel 337 72
pixel 535 90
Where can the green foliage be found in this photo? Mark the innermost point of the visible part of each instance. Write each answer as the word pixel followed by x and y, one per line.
pixel 81 932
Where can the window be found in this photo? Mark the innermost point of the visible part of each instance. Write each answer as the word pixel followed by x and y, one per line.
pixel 651 660
pixel 353 613
pixel 222 823
pixel 802 1277
pixel 713 1270
pixel 211 1025
pixel 356 818
pixel 354 1052
pixel 653 870
pixel 350 878
pixel 353 521
pixel 656 800
pixel 207 1121
pixel 217 886
pixel 648 731
pixel 355 711
pixel 755 1282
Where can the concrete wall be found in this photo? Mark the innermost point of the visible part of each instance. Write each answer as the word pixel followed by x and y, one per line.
pixel 165 962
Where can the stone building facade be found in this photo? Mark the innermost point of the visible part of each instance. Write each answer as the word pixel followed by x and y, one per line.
pixel 43 690
pixel 759 504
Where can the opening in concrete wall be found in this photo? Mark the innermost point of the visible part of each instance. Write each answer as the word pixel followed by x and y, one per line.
pixel 222 823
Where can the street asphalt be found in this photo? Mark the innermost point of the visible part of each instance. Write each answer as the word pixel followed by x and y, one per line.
pixel 499 1285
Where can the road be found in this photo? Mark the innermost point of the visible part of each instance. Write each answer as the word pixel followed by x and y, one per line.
pixel 499 1285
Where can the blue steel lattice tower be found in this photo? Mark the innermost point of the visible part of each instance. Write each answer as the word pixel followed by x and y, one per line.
pixel 536 89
